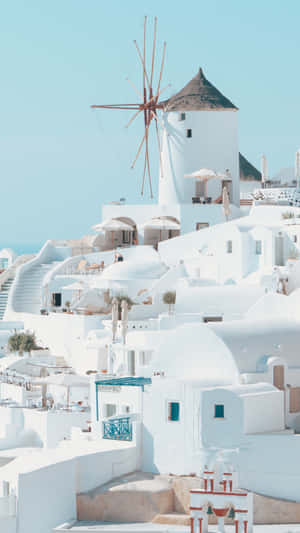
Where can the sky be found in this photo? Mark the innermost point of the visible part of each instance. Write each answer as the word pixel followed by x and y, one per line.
pixel 60 160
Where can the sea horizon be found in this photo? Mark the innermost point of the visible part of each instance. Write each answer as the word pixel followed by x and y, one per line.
pixel 21 248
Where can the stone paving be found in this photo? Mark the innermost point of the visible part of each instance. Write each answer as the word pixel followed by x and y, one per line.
pixel 106 527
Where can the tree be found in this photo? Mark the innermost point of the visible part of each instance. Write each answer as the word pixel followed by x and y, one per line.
pixel 22 342
pixel 169 298
pixel 28 342
pixel 15 343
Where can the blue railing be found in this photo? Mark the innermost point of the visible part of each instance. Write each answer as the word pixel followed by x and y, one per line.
pixel 117 429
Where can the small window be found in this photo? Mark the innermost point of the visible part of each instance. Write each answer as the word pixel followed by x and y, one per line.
pixel 295 238
pixel 110 409
pixel 189 133
pixel 229 247
pixel 173 411
pixel 125 409
pixel 201 225
pixel 219 411
pixel 258 247
pixel 182 116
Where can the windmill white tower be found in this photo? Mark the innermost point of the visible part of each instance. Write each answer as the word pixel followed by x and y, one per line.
pixel 200 131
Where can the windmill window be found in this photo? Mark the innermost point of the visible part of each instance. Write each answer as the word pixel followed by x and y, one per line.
pixel 189 133
pixel 295 238
pixel 182 116
pixel 219 411
pixel 258 247
pixel 173 411
pixel 229 247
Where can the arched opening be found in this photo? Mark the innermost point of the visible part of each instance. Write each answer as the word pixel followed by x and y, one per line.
pixel 160 229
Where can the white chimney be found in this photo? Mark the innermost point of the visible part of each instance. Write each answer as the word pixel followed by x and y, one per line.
pixel 264 168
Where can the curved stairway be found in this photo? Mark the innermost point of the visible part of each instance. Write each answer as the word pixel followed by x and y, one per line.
pixel 4 296
pixel 28 293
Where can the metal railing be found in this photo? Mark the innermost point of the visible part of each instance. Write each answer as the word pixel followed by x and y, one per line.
pixel 118 429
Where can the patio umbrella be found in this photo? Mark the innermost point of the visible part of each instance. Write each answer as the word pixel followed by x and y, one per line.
pixel 226 203
pixel 114 317
pixel 204 174
pixel 161 224
pixel 65 380
pixel 124 318
pixel 112 225
pixel 77 286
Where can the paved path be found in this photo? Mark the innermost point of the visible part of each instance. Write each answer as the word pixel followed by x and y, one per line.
pixel 107 527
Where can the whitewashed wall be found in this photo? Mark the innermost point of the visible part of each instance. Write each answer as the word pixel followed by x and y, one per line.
pixel 213 145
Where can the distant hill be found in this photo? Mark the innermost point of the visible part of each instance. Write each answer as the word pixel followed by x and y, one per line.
pixel 247 171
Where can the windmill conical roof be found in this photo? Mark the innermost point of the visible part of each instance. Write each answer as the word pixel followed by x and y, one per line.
pixel 199 94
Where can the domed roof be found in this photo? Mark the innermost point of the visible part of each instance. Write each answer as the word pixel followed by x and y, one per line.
pixel 128 270
pixel 199 95
pixel 250 340
pixel 194 352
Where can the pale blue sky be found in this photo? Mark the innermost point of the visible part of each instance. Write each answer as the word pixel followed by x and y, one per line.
pixel 59 161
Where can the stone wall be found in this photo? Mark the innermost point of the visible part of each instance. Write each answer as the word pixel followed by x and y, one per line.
pixel 141 497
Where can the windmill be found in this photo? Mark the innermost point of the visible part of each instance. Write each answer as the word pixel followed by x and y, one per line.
pixel 149 104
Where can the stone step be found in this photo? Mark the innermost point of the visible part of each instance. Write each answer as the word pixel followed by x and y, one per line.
pixel 137 497
pixel 177 519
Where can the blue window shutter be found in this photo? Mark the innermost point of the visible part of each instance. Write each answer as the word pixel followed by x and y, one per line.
pixel 219 411
pixel 174 411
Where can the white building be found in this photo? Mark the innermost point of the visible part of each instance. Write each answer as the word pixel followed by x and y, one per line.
pixel 200 131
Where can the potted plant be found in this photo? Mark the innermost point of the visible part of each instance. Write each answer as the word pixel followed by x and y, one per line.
pixel 68 306
pixel 169 298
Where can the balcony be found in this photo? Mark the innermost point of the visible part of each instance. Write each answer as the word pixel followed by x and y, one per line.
pixel 118 429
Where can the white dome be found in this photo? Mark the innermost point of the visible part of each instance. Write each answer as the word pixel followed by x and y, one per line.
pixel 194 352
pixel 128 270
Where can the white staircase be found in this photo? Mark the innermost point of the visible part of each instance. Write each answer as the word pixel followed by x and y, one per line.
pixel 4 296
pixel 28 293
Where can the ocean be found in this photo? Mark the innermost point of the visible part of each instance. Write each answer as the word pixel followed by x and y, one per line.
pixel 22 247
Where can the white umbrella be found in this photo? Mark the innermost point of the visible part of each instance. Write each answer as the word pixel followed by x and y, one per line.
pixel 114 317
pixel 124 318
pixel 161 224
pixel 226 203
pixel 202 173
pixel 76 286
pixel 92 300
pixel 65 380
pixel 112 224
